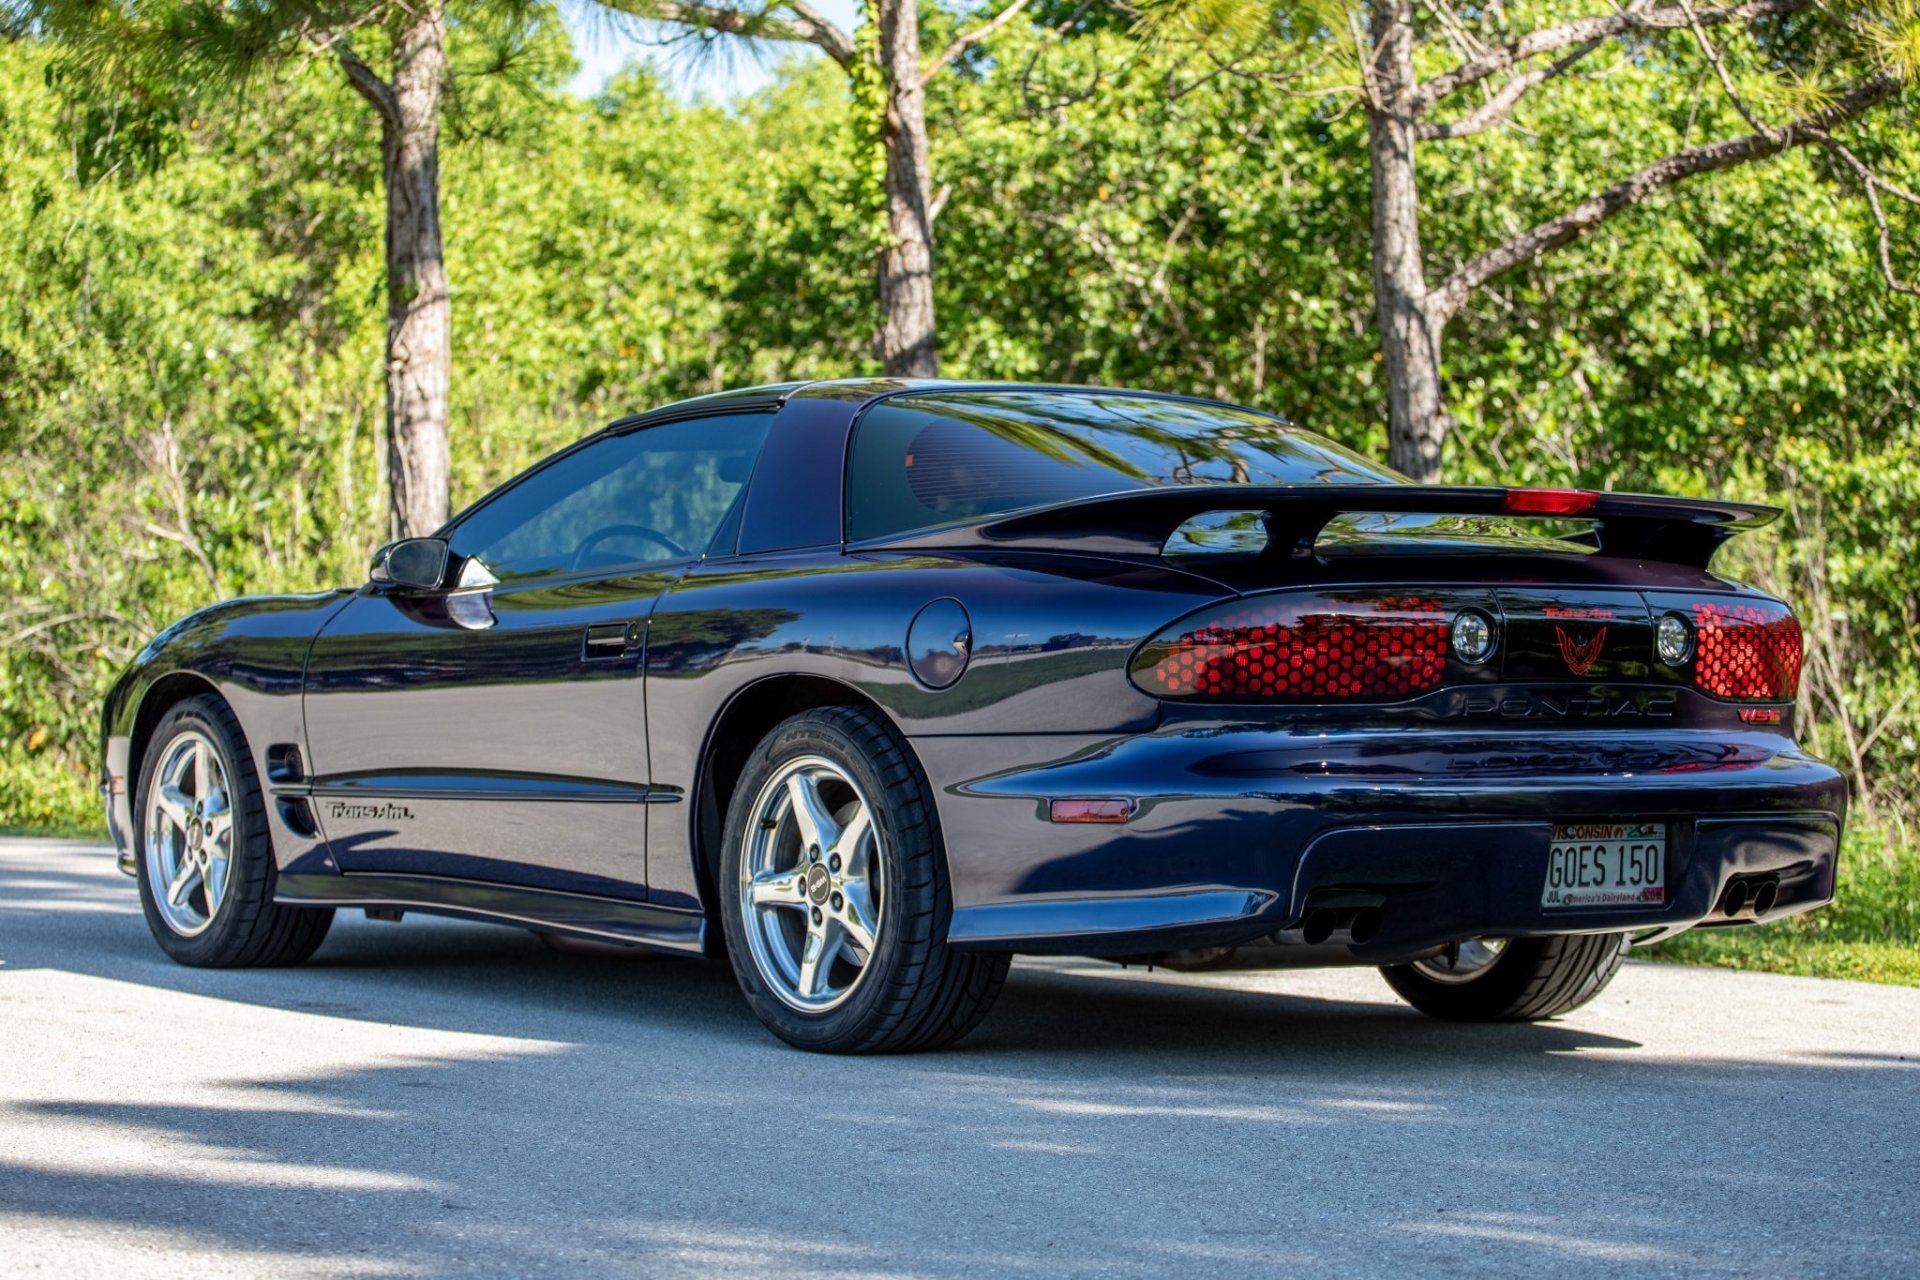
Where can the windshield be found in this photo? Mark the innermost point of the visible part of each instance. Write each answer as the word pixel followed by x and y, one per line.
pixel 940 457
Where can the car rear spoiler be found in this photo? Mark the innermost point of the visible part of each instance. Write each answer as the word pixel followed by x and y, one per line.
pixel 1137 523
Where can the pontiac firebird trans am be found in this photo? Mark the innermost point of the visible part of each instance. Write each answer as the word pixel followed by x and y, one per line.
pixel 869 685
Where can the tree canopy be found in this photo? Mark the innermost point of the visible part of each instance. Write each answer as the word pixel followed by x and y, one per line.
pixel 192 327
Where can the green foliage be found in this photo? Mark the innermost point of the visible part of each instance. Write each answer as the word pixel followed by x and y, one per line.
pixel 867 119
pixel 1871 932
pixel 191 323
pixel 46 796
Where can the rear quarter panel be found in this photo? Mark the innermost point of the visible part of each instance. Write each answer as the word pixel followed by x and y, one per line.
pixel 1050 641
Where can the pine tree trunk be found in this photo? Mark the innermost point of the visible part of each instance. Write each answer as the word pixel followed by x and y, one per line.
pixel 907 338
pixel 419 338
pixel 1417 418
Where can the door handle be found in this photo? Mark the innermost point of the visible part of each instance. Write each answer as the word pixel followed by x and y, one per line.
pixel 612 639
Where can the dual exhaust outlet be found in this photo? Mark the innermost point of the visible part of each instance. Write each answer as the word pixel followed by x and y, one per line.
pixel 1745 898
pixel 1750 897
pixel 1359 925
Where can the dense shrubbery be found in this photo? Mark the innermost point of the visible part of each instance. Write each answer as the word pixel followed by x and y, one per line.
pixel 191 327
pixel 1871 932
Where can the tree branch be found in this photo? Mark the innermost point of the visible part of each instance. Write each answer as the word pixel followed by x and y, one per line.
pixel 1720 69
pixel 1497 108
pixel 365 80
pixel 819 31
pixel 805 26
pixel 967 39
pixel 1581 30
pixel 1464 42
pixel 1875 184
pixel 1681 165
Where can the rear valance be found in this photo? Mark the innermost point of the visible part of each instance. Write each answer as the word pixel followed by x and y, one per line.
pixel 1137 523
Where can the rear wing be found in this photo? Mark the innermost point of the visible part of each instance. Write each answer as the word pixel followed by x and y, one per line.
pixel 1137 523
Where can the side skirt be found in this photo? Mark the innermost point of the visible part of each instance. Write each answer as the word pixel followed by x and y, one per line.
pixel 663 928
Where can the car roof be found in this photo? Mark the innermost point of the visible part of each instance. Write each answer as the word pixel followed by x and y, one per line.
pixel 862 390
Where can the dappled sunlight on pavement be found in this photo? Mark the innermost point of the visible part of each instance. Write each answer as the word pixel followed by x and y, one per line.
pixel 438 1098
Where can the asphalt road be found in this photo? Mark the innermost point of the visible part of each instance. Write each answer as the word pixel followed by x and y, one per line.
pixel 439 1098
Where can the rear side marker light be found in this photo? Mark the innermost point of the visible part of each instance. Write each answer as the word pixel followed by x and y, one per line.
pixel 1549 502
pixel 1746 651
pixel 1113 811
pixel 1301 648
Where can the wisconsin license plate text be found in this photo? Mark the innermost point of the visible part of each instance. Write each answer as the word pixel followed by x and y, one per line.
pixel 1606 864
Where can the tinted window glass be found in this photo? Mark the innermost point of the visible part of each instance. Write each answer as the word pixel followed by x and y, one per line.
pixel 932 459
pixel 647 497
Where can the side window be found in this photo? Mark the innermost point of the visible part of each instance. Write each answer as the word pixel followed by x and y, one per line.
pixel 647 497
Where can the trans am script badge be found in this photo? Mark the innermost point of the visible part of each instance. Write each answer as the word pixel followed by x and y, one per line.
pixel 354 812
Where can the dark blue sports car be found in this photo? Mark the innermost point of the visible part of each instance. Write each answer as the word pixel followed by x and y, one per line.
pixel 870 685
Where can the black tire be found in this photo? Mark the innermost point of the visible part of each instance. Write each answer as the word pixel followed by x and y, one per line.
pixel 1533 978
pixel 248 929
pixel 914 993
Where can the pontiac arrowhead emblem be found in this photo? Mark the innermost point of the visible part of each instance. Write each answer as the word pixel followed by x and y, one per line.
pixel 1580 655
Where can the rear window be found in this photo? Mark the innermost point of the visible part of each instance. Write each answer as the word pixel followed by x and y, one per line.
pixel 933 459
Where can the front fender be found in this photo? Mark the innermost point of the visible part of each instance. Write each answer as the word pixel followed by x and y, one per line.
pixel 252 652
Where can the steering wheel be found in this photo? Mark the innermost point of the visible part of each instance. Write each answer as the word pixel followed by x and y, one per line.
pixel 599 536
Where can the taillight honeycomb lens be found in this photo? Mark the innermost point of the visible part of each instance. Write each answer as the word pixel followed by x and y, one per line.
pixel 1316 648
pixel 1747 651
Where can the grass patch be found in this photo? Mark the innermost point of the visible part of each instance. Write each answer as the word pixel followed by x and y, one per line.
pixel 43 795
pixel 1781 948
pixel 1871 933
pixel 94 831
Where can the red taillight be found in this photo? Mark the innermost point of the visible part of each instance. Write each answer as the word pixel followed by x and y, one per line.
pixel 1746 650
pixel 1301 648
pixel 1549 502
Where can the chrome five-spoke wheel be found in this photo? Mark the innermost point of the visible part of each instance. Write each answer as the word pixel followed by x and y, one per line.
pixel 811 884
pixel 205 852
pixel 834 896
pixel 189 833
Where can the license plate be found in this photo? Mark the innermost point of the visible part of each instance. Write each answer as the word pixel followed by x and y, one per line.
pixel 1606 864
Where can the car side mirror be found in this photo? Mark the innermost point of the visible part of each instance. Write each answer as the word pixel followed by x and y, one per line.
pixel 420 563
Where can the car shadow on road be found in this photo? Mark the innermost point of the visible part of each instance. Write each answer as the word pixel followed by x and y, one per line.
pixel 630 1116
pixel 1099 1128
pixel 455 976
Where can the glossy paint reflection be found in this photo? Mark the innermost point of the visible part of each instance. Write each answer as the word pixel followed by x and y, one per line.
pixel 557 766
pixel 251 652
pixel 1050 642
pixel 400 696
pixel 1237 808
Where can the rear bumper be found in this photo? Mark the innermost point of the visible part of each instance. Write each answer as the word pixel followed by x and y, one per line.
pixel 1238 832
